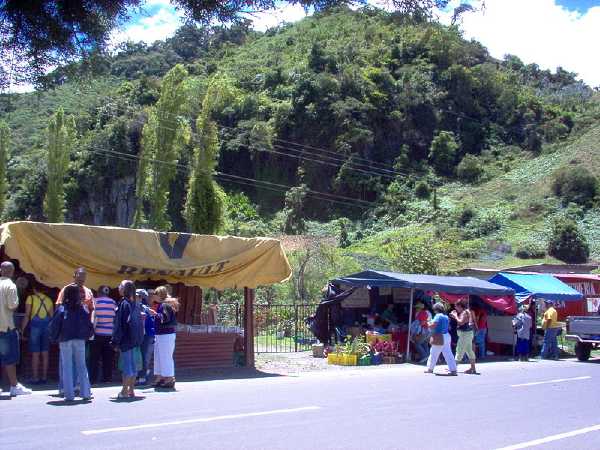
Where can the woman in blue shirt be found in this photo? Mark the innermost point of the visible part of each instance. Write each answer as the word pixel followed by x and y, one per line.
pixel 440 340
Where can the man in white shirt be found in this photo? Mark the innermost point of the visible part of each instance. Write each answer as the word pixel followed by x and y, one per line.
pixel 9 338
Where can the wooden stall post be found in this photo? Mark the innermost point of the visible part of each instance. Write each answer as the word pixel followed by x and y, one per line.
pixel 410 312
pixel 249 326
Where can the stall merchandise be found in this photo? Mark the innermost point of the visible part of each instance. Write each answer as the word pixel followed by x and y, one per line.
pixel 406 286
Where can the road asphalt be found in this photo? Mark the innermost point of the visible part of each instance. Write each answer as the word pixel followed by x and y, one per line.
pixel 510 405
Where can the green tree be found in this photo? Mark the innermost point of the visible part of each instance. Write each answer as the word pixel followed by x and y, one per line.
pixel 567 243
pixel 575 184
pixel 204 207
pixel 4 144
pixel 442 152
pixel 61 140
pixel 163 137
pixel 469 169
pixel 294 210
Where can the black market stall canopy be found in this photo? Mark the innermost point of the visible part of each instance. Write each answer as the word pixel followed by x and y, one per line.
pixel 499 297
pixel 52 251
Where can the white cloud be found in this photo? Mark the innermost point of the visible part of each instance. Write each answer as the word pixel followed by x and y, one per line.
pixel 159 26
pixel 269 19
pixel 538 31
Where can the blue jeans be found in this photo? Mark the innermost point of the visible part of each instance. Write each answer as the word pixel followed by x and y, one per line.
pixel 72 354
pixel 147 349
pixel 550 345
pixel 480 342
pixel 9 347
pixel 39 339
pixel 422 349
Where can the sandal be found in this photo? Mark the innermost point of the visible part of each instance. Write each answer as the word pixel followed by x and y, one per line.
pixel 159 384
pixel 169 385
pixel 122 396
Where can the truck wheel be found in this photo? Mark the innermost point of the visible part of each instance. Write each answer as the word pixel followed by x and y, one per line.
pixel 582 351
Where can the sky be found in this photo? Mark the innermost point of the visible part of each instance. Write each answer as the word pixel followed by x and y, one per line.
pixel 550 33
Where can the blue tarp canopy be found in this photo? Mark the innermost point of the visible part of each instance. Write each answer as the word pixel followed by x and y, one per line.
pixel 450 285
pixel 541 286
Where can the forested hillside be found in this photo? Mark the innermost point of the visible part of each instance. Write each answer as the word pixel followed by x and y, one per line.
pixel 362 125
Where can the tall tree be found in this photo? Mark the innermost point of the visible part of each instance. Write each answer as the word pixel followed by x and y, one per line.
pixel 61 140
pixel 204 206
pixel 163 137
pixel 4 143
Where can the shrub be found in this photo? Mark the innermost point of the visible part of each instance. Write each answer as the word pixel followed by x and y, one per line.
pixel 442 152
pixel 469 169
pixel 422 190
pixel 567 243
pixel 483 225
pixel 466 215
pixel 530 250
pixel 576 185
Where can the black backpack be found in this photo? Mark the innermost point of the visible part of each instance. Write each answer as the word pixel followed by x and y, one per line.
pixel 136 324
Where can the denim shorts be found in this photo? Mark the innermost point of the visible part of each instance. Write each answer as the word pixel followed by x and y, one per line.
pixel 39 338
pixel 9 348
pixel 128 367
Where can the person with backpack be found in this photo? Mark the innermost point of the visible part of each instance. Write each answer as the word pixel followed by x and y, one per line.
pixel 164 346
pixel 128 333
pixel 466 326
pixel 73 327
pixel 39 309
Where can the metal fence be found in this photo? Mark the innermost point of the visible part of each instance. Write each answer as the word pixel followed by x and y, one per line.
pixel 277 328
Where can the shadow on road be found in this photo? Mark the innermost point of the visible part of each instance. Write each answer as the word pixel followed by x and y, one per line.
pixel 223 374
pixel 68 402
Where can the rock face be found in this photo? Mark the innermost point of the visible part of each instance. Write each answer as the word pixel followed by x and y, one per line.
pixel 112 205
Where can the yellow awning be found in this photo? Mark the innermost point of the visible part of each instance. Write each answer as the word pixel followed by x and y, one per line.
pixel 52 252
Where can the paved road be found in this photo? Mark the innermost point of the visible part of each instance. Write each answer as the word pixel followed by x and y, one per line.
pixel 543 405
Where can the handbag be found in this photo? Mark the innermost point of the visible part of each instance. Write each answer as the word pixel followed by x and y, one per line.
pixel 55 325
pixel 436 339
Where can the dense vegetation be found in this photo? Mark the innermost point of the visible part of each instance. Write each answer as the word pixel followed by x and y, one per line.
pixel 409 146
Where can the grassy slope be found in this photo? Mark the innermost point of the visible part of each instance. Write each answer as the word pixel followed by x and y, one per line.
pixel 522 197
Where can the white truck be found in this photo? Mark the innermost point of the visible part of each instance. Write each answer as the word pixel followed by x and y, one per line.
pixel 585 331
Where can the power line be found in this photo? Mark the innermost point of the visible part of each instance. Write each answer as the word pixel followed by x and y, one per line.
pixel 330 154
pixel 347 201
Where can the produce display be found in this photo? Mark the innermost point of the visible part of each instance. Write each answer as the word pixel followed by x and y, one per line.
pixel 357 351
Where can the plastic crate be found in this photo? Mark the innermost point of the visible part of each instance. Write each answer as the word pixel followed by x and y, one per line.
pixel 349 360
pixel 364 361
pixel 334 358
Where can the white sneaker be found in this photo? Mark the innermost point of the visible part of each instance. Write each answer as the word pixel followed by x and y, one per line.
pixel 19 389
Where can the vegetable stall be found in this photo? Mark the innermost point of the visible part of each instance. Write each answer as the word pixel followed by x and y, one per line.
pixel 355 303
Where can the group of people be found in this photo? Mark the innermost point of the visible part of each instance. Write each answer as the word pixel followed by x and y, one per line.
pixel 469 325
pixel 139 325
pixel 428 334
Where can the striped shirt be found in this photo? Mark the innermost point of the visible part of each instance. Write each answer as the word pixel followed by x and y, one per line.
pixel 105 314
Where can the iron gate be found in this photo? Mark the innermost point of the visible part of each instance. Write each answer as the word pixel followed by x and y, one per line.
pixel 277 328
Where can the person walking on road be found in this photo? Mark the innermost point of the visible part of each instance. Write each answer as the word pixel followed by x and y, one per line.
pixel 75 329
pixel 165 325
pixel 38 312
pixel 465 328
pixel 522 324
pixel 551 330
pixel 440 340
pixel 100 348
pixel 128 333
pixel 9 337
